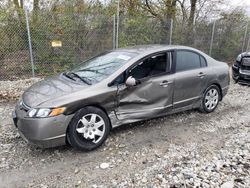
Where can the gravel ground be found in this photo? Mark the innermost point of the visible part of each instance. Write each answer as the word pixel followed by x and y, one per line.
pixel 188 149
pixel 11 90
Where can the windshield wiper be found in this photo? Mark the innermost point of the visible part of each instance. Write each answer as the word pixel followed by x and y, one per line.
pixel 95 71
pixel 68 76
pixel 83 79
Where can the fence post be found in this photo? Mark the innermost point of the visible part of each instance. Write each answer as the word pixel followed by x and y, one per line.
pixel 117 27
pixel 248 43
pixel 29 40
pixel 245 36
pixel 212 39
pixel 171 31
pixel 114 36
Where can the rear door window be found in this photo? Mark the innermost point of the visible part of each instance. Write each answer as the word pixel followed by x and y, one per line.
pixel 203 62
pixel 187 60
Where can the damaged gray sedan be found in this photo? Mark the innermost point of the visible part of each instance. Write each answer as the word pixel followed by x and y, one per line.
pixel 122 86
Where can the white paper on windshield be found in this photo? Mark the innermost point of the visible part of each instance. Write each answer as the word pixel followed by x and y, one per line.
pixel 124 57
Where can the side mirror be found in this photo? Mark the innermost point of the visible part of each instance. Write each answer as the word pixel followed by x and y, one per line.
pixel 131 81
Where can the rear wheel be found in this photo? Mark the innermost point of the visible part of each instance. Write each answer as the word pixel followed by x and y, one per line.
pixel 88 129
pixel 210 100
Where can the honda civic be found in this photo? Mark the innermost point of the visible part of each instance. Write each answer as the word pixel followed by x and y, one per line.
pixel 81 106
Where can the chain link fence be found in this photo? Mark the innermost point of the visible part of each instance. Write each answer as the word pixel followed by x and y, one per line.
pixel 14 54
pixel 59 41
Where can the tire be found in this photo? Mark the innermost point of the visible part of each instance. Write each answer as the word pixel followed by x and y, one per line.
pixel 235 80
pixel 67 141
pixel 88 129
pixel 210 99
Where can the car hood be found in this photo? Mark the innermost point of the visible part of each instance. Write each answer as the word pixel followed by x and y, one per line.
pixel 50 88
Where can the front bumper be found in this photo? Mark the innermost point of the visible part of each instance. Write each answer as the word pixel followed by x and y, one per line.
pixel 241 76
pixel 42 132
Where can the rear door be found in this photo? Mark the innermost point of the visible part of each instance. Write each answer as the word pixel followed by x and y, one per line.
pixel 153 96
pixel 190 78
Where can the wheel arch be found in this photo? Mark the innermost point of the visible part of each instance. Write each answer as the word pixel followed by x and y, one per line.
pixel 212 84
pixel 220 89
pixel 89 105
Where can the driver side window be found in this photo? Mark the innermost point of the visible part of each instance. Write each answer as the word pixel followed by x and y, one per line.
pixel 150 66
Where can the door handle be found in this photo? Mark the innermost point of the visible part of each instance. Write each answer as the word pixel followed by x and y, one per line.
pixel 201 74
pixel 164 83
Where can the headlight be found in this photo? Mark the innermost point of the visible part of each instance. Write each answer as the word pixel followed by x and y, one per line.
pixel 20 102
pixel 45 112
pixel 32 112
pixel 236 65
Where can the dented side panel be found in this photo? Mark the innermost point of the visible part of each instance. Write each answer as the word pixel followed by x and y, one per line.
pixel 153 97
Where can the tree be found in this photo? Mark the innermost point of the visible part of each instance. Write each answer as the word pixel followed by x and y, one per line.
pixel 35 9
pixel 192 12
pixel 19 9
pixel 163 10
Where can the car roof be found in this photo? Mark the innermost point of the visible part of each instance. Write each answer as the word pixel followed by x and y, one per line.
pixel 140 49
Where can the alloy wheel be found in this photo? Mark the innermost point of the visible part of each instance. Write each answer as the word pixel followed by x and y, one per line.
pixel 211 99
pixel 91 127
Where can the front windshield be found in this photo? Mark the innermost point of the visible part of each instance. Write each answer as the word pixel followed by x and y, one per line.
pixel 102 66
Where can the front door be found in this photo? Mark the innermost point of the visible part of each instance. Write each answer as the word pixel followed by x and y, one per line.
pixel 153 96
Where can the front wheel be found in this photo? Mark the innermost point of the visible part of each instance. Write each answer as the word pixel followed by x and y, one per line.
pixel 210 100
pixel 88 129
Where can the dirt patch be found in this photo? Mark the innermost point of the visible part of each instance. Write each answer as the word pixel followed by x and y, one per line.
pixel 12 90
